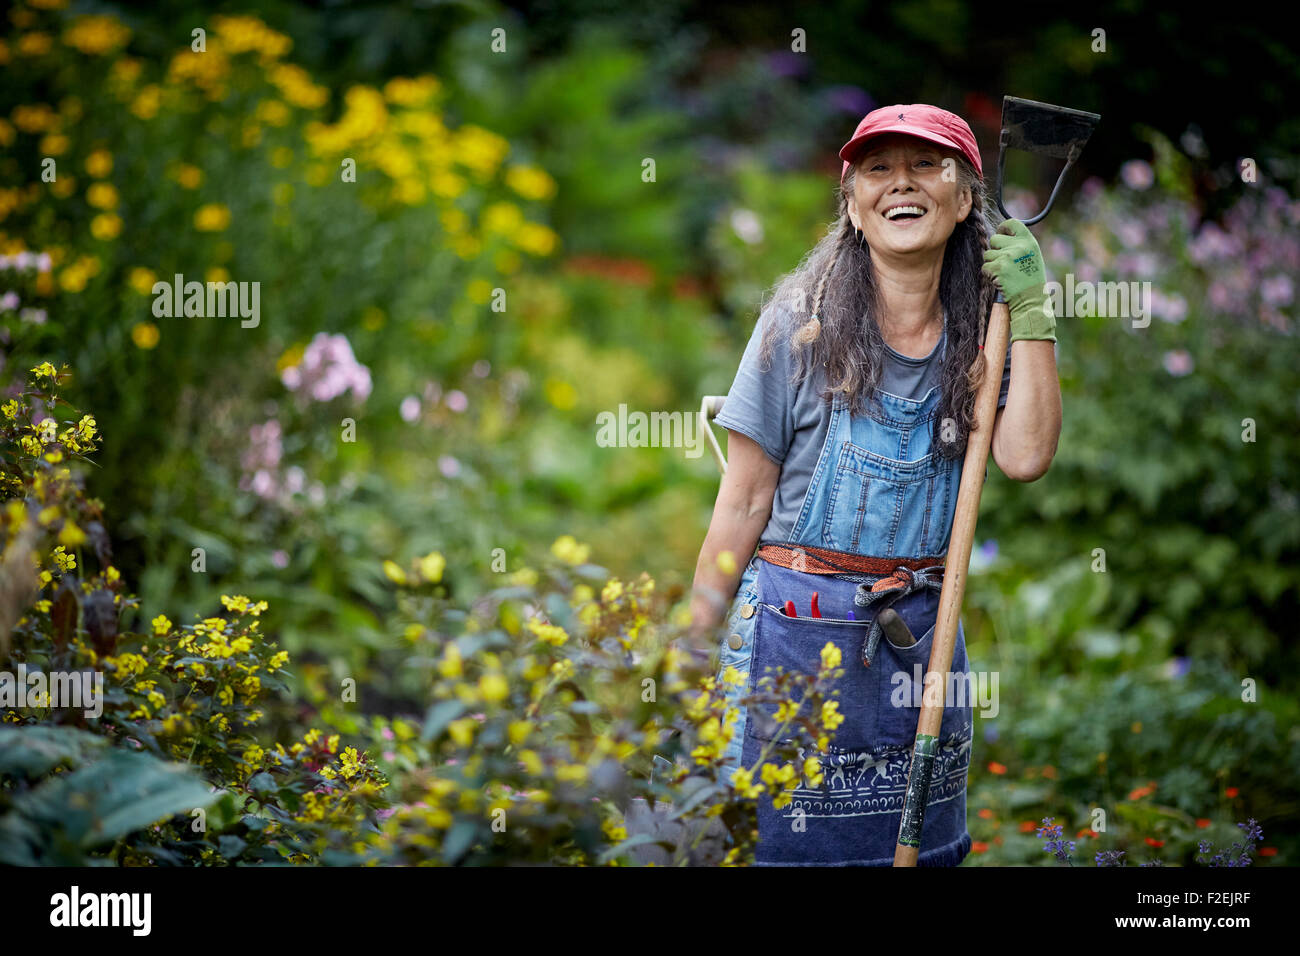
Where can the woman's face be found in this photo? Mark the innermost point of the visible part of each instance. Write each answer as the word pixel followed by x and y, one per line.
pixel 899 172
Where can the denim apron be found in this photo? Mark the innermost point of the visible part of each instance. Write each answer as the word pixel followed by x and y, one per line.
pixel 879 488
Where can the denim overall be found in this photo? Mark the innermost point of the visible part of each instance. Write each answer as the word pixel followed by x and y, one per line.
pixel 879 488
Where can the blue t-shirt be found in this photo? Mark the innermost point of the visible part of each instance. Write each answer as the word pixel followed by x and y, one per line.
pixel 790 422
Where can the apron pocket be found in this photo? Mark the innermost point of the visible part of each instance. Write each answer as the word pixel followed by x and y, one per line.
pixel 903 671
pixel 795 644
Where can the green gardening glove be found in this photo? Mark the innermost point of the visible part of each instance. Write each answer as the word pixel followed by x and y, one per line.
pixel 1015 263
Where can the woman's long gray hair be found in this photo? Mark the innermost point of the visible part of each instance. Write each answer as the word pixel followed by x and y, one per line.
pixel 842 332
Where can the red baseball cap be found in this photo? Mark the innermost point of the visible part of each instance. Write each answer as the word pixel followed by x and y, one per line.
pixel 917 119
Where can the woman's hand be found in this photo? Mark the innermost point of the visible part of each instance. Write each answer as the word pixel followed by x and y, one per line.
pixel 740 514
pixel 1015 262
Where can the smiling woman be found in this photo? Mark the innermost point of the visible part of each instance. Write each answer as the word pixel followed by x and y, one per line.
pixel 848 421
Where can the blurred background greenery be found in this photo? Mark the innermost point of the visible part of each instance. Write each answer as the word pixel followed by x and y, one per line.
pixel 521 171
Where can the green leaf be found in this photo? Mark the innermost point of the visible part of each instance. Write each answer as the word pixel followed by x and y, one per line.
pixel 440 715
pixel 33 751
pixel 458 840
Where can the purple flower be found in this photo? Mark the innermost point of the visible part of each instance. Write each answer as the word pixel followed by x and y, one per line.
pixel 9 301
pixel 410 408
pixel 481 368
pixel 1110 857
pixel 280 558
pixel 449 466
pixel 1277 290
pixel 1172 308
pixel 1179 363
pixel 1061 849
pixel 1132 234
pixel 850 99
pixel 788 63
pixel 34 316
pixel 457 401
pixel 327 370
pixel 1137 174
pixel 1177 667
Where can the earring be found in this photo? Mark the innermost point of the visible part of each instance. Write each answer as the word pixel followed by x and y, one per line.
pixel 861 238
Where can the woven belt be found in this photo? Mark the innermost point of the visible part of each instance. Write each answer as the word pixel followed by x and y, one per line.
pixel 825 561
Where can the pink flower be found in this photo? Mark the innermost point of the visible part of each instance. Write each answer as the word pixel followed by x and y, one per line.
pixel 481 368
pixel 457 401
pixel 449 466
pixel 410 408
pixel 280 558
pixel 327 370
pixel 1179 363
pixel 1277 290
pixel 1171 308
pixel 1137 174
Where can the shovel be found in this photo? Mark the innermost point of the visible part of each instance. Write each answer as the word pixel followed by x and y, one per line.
pixel 1046 130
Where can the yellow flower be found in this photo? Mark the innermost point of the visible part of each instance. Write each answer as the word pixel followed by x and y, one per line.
pixel 99 163
pixel 432 566
pixel 296 86
pixel 462 731
pixel 518 731
pixel 726 562
pixel 212 217
pixel 567 549
pixel 831 657
pixel 161 626
pixel 96 35
pixel 246 34
pixel 141 280
pixel 612 591
pixel 530 182
pixel 410 92
pixel 812 769
pixel 54 144
pixel 831 717
pixel 146 103
pixel 45 370
pixel 393 571
pixel 106 226
pixel 536 239
pixel 493 687
pixel 547 633
pixel 72 537
pixel 743 782
pixel 145 335
pixel 188 175
pixel 34 44
pixel 102 195
pixel 36 118
pixel 501 217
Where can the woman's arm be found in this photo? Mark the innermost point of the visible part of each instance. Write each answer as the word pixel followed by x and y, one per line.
pixel 740 513
pixel 1026 430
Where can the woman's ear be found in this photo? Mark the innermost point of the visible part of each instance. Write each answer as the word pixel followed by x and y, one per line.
pixel 853 211
pixel 964 203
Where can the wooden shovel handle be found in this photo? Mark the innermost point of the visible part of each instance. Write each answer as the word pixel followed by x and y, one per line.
pixel 956 567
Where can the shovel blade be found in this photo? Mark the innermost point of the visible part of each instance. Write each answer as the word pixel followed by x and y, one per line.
pixel 1044 129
